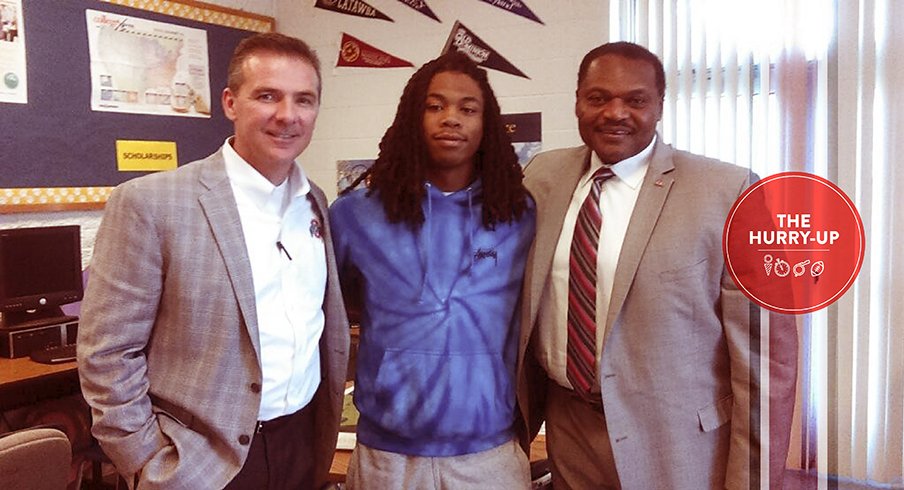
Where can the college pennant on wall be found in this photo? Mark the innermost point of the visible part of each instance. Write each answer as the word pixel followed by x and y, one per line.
pixel 357 53
pixel 515 7
pixel 465 41
pixel 422 7
pixel 358 8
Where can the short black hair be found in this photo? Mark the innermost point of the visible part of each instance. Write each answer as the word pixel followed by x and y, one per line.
pixel 627 50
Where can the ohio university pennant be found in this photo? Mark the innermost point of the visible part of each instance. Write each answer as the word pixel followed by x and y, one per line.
pixel 422 7
pixel 358 8
pixel 465 41
pixel 357 53
pixel 515 7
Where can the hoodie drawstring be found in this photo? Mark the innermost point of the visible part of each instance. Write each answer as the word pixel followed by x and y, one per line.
pixel 425 242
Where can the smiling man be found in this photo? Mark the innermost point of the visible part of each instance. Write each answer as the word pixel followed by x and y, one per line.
pixel 433 253
pixel 636 345
pixel 214 343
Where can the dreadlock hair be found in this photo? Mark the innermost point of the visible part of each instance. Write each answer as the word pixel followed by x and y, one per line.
pixel 399 173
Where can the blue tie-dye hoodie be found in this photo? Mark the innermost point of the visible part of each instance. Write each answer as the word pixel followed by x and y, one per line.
pixel 439 326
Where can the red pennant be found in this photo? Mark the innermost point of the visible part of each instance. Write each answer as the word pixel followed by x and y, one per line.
pixel 357 53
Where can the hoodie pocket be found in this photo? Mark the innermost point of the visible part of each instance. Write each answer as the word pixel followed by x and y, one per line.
pixel 440 396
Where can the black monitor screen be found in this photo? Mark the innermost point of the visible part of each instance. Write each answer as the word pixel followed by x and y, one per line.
pixel 39 267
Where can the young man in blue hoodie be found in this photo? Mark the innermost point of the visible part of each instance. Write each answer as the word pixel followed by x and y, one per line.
pixel 432 254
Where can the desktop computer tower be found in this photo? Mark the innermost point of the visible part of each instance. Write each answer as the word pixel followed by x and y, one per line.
pixel 21 341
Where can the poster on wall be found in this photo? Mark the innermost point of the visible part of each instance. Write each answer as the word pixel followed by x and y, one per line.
pixel 357 53
pixel 515 7
pixel 13 88
pixel 465 41
pixel 526 133
pixel 141 66
pixel 348 173
pixel 422 7
pixel 358 8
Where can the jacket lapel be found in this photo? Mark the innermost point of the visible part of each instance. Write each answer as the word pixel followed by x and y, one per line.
pixel 219 206
pixel 552 193
pixel 653 193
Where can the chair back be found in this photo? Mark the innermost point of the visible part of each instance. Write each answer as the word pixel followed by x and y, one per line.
pixel 34 459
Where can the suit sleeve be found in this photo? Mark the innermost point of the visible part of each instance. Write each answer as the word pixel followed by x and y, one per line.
pixel 744 328
pixel 117 318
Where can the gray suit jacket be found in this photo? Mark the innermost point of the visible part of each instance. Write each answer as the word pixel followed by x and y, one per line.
pixel 679 379
pixel 169 353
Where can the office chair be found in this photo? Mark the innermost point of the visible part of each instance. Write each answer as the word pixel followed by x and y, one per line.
pixel 34 459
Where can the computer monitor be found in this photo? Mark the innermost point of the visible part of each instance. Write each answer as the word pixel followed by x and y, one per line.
pixel 40 269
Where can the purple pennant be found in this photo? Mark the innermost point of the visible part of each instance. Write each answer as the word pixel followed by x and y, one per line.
pixel 422 7
pixel 515 7
pixel 465 41
pixel 358 8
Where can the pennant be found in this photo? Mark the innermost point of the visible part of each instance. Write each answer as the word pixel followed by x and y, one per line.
pixel 355 52
pixel 465 41
pixel 422 7
pixel 515 7
pixel 358 8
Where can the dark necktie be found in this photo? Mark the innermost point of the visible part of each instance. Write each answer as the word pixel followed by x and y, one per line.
pixel 581 366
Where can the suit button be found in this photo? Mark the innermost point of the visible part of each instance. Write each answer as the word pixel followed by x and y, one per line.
pixel 255 387
pixel 244 439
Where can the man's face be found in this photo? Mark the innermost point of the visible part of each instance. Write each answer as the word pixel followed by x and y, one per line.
pixel 453 124
pixel 618 106
pixel 273 110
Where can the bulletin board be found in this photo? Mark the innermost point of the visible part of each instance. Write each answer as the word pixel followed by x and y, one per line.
pixel 59 154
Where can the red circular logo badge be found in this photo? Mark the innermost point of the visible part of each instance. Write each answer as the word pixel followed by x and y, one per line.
pixel 793 242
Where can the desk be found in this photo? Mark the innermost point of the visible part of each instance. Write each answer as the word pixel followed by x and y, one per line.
pixel 24 382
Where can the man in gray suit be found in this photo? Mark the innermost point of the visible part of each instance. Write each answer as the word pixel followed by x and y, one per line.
pixel 213 342
pixel 636 344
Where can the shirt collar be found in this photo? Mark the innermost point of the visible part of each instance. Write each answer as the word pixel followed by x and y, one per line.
pixel 247 181
pixel 631 170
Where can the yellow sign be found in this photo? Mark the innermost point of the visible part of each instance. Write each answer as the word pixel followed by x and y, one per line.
pixel 145 156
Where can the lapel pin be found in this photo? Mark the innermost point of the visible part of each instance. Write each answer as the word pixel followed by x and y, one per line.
pixel 658 183
pixel 315 228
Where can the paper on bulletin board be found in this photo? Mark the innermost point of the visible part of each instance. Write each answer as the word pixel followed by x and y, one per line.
pixel 145 156
pixel 13 80
pixel 525 131
pixel 348 173
pixel 141 66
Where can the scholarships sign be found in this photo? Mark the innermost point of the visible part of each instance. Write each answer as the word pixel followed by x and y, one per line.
pixel 141 66
pixel 145 156
pixel 793 242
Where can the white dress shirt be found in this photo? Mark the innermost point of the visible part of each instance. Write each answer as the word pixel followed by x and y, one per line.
pixel 617 199
pixel 288 265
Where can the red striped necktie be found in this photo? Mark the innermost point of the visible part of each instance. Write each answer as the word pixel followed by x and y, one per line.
pixel 581 356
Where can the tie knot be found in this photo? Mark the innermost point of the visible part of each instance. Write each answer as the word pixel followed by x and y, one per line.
pixel 602 174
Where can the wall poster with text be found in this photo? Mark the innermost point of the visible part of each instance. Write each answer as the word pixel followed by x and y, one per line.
pixel 140 66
